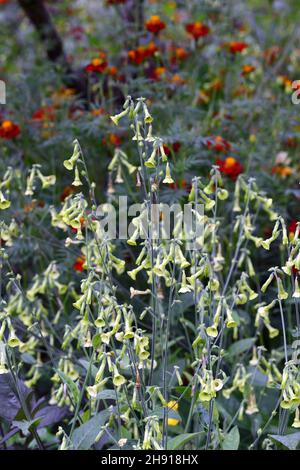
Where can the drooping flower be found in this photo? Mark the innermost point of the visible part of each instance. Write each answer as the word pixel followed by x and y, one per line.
pixel 230 167
pixel 197 29
pixel 155 24
pixel 9 130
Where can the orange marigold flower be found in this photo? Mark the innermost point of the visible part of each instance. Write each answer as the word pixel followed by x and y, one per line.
pixel 98 65
pixel 282 170
pixel 79 264
pixel 247 68
pixel 97 111
pixel 178 54
pixel 9 130
pixel 141 53
pixel 45 113
pixel 113 71
pixel 218 143
pixel 177 80
pixel 112 139
pixel 230 167
pixel 150 49
pixel 237 46
pixel 158 73
pixel 155 24
pixel 197 29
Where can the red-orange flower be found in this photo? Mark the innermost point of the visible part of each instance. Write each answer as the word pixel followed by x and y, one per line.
pixel 230 167
pixel 45 113
pixel 282 170
pixel 112 70
pixel 218 143
pixel 237 46
pixel 79 264
pixel 155 24
pixel 157 73
pixel 177 80
pixel 98 65
pixel 112 139
pixel 115 2
pixel 66 192
pixel 292 227
pixel 9 130
pixel 197 29
pixel 97 112
pixel 141 53
pixel 178 54
pixel 175 147
pixel 181 184
pixel 247 68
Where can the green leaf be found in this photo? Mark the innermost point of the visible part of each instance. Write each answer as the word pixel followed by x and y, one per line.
pixel 232 439
pixel 241 346
pixel 26 426
pixel 73 389
pixel 84 437
pixel 290 441
pixel 179 441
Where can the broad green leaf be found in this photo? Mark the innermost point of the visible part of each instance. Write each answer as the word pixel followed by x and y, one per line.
pixel 240 346
pixel 232 439
pixel 26 426
pixel 84 437
pixel 290 441
pixel 179 441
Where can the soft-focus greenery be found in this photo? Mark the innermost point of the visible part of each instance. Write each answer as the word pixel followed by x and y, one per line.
pixel 131 344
